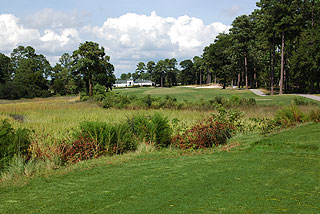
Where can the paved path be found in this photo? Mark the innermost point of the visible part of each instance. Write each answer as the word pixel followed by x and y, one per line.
pixel 258 92
pixel 313 97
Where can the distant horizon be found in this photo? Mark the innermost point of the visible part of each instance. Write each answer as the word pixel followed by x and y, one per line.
pixel 130 32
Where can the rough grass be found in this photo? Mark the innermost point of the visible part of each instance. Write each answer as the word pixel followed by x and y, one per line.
pixel 54 118
pixel 259 176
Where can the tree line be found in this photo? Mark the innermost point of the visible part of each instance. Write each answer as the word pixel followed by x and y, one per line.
pixel 26 74
pixel 165 73
pixel 275 47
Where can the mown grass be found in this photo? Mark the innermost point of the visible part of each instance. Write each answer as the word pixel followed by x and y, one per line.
pixel 259 176
pixel 193 94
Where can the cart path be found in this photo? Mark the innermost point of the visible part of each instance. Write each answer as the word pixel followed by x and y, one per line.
pixel 313 97
pixel 258 92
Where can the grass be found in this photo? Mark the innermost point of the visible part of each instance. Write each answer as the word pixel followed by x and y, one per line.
pixel 259 176
pixel 54 118
pixel 192 94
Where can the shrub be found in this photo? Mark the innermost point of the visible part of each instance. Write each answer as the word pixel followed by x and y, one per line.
pixel 289 116
pixel 300 101
pixel 13 142
pixel 83 148
pixel 112 139
pixel 206 134
pixel 84 96
pixel 153 129
pixel 116 100
pixel 314 115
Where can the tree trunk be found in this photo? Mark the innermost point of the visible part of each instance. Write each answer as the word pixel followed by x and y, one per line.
pixel 282 64
pixel 242 78
pixel 239 80
pixel 208 78
pixel 246 69
pixel 255 77
pixel 90 88
pixel 215 79
pixel 161 81
pixel 312 86
pixel 196 79
pixel 273 64
pixel 200 77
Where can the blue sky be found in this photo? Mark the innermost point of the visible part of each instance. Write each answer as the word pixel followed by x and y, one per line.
pixel 130 30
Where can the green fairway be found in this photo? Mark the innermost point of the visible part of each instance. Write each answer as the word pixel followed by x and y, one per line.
pixel 196 94
pixel 276 174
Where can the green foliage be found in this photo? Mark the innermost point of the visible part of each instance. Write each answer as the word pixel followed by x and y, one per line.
pixel 213 131
pixel 84 148
pixel 120 101
pixel 112 139
pixel 154 129
pixel 289 116
pixel 91 64
pixel 300 101
pixel 12 142
pixel 206 134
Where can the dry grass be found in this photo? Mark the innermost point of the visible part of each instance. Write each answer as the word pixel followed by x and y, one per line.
pixel 53 119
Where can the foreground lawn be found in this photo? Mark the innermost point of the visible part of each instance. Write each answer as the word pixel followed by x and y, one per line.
pixel 275 174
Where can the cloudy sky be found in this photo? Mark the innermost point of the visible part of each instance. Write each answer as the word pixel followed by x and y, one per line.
pixel 130 30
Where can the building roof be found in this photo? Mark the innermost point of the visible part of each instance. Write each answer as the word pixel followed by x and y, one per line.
pixel 143 81
pixel 120 81
pixel 135 81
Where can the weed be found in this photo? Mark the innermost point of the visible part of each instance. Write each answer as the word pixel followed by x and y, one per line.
pixel 13 142
pixel 153 129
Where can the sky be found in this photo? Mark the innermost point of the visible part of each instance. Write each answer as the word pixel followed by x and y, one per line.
pixel 131 31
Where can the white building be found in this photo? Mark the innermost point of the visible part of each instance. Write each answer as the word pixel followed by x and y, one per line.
pixel 131 82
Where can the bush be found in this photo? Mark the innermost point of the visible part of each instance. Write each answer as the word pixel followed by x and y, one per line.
pixel 314 115
pixel 153 129
pixel 300 101
pixel 206 134
pixel 13 142
pixel 83 148
pixel 112 139
pixel 289 116
pixel 241 101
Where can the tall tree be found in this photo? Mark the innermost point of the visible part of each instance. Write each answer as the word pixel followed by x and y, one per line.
pixel 186 75
pixel 160 72
pixel 240 31
pixel 150 67
pixel 92 64
pixel 5 68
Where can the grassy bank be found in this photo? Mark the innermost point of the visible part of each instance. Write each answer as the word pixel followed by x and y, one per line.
pixel 274 174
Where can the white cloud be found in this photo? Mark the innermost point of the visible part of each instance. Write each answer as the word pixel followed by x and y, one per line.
pixel 139 37
pixel 12 33
pixel 128 39
pixel 63 41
